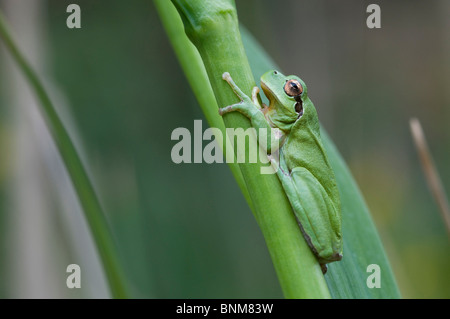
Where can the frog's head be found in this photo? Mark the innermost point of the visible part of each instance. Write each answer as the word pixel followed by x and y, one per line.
pixel 287 96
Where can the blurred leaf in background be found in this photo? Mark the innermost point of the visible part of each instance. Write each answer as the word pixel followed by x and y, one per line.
pixel 185 230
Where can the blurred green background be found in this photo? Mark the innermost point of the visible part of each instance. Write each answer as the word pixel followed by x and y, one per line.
pixel 185 231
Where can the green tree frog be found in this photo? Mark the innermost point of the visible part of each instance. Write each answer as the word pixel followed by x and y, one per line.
pixel 302 167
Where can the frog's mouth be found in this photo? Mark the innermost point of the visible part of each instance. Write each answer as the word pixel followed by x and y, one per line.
pixel 267 92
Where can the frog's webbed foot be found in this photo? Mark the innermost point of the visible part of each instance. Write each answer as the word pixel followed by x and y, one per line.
pixel 241 95
pixel 245 106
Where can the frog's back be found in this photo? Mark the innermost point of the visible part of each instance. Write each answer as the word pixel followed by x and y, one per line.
pixel 304 149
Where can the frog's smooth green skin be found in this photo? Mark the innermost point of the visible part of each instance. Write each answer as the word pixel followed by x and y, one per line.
pixel 303 166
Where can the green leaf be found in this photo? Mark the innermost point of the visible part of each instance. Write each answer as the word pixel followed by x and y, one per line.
pixel 78 175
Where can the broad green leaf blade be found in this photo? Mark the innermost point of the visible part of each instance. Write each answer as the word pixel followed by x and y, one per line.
pixel 86 194
pixel 362 246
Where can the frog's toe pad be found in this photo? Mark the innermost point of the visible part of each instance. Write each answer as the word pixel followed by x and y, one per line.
pixel 226 76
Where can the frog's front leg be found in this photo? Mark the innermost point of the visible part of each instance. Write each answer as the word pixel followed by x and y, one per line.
pixel 252 110
pixel 246 106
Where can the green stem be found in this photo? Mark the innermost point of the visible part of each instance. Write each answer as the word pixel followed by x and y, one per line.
pixel 88 199
pixel 212 26
pixel 193 68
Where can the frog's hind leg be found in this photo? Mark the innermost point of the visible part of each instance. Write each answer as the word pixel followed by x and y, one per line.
pixel 293 195
pixel 312 211
pixel 316 213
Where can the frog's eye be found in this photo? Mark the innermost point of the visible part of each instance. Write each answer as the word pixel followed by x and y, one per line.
pixel 293 88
